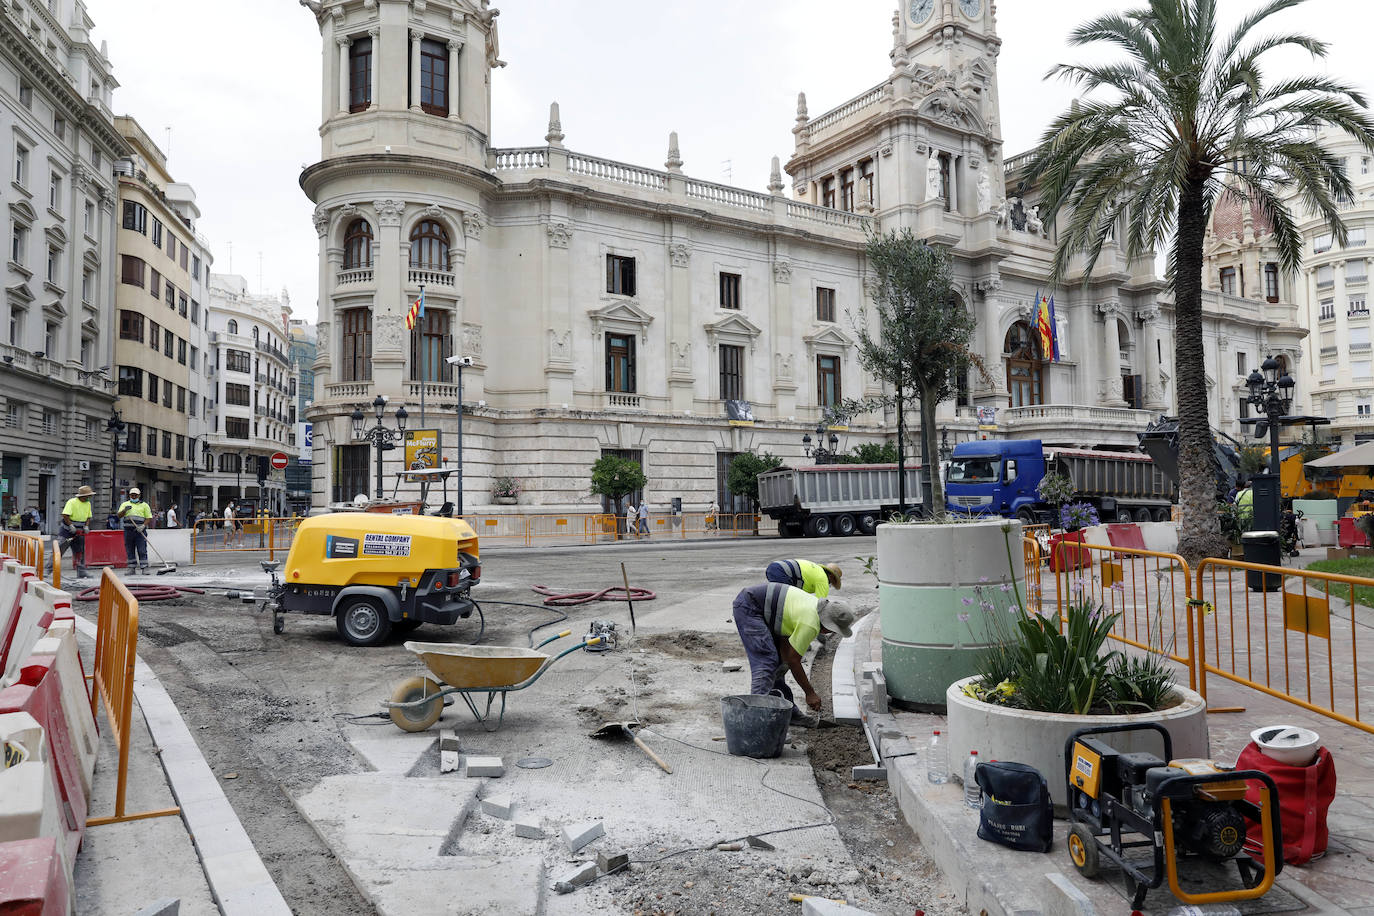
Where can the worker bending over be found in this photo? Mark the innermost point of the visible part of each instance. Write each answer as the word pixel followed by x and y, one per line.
pixel 816 578
pixel 776 624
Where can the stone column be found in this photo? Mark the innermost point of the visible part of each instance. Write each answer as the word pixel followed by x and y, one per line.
pixel 681 378
pixel 416 36
pixel 343 73
pixel 376 36
pixel 1154 391
pixel 1109 383
pixel 455 98
pixel 389 341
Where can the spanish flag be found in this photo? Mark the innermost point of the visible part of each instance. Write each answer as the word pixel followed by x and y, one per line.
pixel 1045 328
pixel 416 311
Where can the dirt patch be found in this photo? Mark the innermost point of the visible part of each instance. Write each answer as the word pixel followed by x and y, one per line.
pixel 693 645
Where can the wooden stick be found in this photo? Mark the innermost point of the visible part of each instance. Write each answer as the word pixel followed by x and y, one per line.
pixel 646 749
pixel 628 600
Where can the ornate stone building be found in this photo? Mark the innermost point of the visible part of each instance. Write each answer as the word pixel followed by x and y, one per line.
pixel 608 307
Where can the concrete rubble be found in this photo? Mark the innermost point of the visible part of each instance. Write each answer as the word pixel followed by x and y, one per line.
pixel 575 836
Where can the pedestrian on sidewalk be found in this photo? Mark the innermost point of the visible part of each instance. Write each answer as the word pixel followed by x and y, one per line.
pixel 171 516
pixel 816 578
pixel 76 518
pixel 776 624
pixel 229 524
pixel 644 518
pixel 631 514
pixel 134 514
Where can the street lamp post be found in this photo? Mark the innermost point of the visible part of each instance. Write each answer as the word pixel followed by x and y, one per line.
pixel 381 437
pixel 820 454
pixel 117 430
pixel 1272 394
pixel 460 363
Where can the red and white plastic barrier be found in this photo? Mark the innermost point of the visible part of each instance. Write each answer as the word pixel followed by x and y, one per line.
pixel 14 580
pixel 33 881
pixel 29 805
pixel 59 644
pixel 39 606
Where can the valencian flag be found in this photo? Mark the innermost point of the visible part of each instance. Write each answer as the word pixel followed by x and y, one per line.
pixel 416 311
pixel 1045 327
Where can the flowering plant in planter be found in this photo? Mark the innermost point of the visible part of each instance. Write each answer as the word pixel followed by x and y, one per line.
pixel 506 487
pixel 1075 516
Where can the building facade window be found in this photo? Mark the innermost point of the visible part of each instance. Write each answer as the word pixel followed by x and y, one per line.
pixel 157 233
pixel 350 471
pixel 729 291
pixel 166 445
pixel 238 395
pixel 232 327
pixel 359 77
pixel 731 372
pixel 1241 367
pixel 131 381
pixel 133 437
pixel 620 275
pixel 620 363
pixel 1355 238
pixel 358 245
pixel 828 192
pixel 825 303
pixel 847 190
pixel 55 191
pixel 19 244
pixel 154 335
pixel 431 347
pixel 434 77
pixel 828 391
pixel 1228 281
pixel 154 283
pixel 135 217
pixel 130 325
pixel 429 246
pixel 21 166
pixel 236 427
pixel 356 352
pixel 168 343
pixel 1025 366
pixel 238 361
pixel 1271 282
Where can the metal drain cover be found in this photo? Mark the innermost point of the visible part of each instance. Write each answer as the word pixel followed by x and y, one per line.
pixel 534 763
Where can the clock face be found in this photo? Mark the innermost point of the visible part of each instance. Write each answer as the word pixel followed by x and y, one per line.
pixel 971 8
pixel 921 10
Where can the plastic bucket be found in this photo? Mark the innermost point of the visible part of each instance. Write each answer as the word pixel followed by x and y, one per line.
pixel 755 726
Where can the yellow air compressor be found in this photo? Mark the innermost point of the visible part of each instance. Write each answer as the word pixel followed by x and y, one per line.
pixel 1124 801
pixel 374 573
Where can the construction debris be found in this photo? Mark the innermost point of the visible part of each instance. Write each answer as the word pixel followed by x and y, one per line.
pixel 575 836
pixel 485 766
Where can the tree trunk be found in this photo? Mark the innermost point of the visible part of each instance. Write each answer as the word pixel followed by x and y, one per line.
pixel 619 517
pixel 1199 531
pixel 932 492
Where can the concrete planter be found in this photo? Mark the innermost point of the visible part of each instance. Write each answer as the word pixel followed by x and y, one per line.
pixel 1038 738
pixel 505 500
pixel 925 572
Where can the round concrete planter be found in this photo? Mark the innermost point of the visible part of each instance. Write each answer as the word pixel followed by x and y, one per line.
pixel 505 500
pixel 1037 738
pixel 925 573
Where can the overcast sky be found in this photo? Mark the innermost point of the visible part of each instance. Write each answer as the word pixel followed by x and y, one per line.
pixel 240 90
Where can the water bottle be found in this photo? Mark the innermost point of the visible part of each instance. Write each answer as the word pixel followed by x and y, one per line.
pixel 937 762
pixel 1216 910
pixel 973 796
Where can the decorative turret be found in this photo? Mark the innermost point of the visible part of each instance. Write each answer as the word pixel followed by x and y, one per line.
pixel 555 135
pixel 775 185
pixel 674 160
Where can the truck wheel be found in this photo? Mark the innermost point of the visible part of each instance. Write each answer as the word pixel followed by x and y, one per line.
pixel 844 525
pixel 818 526
pixel 362 621
pixel 1025 517
pixel 1143 514
pixel 868 522
pixel 1163 515
pixel 416 718
pixel 1123 516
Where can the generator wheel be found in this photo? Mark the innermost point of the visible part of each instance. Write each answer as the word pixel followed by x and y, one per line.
pixel 278 624
pixel 416 718
pixel 362 621
pixel 1083 850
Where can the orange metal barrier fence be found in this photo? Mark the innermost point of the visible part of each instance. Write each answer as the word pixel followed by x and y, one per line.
pixel 26 548
pixel 116 650
pixel 1301 644
pixel 249 534
pixel 1035 599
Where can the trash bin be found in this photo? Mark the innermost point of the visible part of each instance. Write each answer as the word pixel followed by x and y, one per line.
pixel 1262 547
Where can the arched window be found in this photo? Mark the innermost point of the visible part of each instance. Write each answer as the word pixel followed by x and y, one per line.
pixel 429 246
pixel 233 327
pixel 255 333
pixel 357 245
pixel 1025 367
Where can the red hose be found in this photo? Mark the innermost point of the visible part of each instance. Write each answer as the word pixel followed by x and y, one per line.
pixel 614 593
pixel 142 592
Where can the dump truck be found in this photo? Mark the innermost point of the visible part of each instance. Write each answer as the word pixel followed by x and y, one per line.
pixel 835 499
pixel 1002 477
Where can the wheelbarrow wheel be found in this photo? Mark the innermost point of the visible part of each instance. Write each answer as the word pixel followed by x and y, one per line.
pixel 416 718
pixel 362 621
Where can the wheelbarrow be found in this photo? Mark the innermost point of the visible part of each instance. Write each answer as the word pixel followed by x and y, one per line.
pixel 470 672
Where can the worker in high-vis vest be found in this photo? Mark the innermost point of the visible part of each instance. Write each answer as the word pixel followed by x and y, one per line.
pixel 776 624
pixel 816 578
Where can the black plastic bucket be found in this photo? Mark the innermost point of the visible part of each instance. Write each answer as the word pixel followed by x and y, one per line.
pixel 755 726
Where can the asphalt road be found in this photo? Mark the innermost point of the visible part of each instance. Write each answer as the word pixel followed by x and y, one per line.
pixel 271 712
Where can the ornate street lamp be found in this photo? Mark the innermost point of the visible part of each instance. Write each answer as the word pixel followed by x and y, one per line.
pixel 820 454
pixel 381 437
pixel 1272 395
pixel 118 440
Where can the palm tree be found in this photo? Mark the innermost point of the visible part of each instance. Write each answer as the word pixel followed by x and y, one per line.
pixel 1186 117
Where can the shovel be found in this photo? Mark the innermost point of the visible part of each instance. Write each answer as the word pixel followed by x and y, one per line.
pixel 625 730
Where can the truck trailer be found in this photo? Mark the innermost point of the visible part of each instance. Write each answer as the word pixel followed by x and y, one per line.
pixel 1002 476
pixel 835 499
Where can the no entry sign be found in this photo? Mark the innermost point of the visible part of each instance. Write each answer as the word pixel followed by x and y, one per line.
pixel 279 460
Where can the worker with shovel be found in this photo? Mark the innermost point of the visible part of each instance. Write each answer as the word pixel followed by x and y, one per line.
pixel 133 515
pixel 816 578
pixel 76 517
pixel 776 624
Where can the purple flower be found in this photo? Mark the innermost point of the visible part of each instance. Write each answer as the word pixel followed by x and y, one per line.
pixel 1006 587
pixel 963 617
pixel 982 578
pixel 1118 586
pixel 967 602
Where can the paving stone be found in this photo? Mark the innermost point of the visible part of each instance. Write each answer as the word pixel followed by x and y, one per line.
pixel 609 862
pixel 823 906
pixel 1061 898
pixel 575 836
pixel 576 877
pixel 448 740
pixel 732 665
pixel 527 826
pixel 501 806
pixel 485 766
pixel 880 698
pixel 467 884
pixel 378 817
pixel 870 772
pixel 890 748
pixel 448 761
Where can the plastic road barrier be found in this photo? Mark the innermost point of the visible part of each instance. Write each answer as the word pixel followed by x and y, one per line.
pixel 37 608
pixel 59 644
pixel 28 793
pixel 14 580
pixel 32 880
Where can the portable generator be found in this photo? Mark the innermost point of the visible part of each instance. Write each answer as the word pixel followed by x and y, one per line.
pixel 1122 801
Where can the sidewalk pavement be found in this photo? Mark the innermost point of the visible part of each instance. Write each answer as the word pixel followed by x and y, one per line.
pixel 202 857
pixel 1004 882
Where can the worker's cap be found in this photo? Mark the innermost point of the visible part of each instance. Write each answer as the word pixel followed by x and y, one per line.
pixel 837 616
pixel 85 491
pixel 832 572
pixel 135 492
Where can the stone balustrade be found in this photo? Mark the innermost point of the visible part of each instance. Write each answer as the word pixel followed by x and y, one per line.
pixel 527 157
pixel 617 172
pixel 356 275
pixel 432 390
pixel 353 390
pixel 430 278
pixel 845 110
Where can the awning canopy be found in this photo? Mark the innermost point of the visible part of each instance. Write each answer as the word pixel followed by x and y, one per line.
pixel 1359 456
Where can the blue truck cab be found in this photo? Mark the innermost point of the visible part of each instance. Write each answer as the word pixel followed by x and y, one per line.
pixel 995 477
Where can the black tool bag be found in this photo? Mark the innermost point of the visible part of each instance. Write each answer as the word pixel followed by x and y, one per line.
pixel 1017 811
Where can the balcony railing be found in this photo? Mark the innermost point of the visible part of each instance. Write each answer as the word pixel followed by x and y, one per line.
pixel 617 399
pixel 430 277
pixel 356 275
pixel 347 389
pixel 432 389
pixel 1327 314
